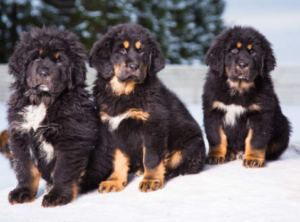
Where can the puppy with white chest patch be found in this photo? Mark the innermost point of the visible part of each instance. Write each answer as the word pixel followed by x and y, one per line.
pixel 53 123
pixel 241 109
pixel 153 133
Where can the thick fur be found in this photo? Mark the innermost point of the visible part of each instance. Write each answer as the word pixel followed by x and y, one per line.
pixel 54 126
pixel 166 126
pixel 239 96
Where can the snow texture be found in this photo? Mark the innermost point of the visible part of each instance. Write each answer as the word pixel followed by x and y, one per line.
pixel 226 192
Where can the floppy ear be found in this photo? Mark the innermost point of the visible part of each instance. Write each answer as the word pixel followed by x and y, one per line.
pixel 100 57
pixel 157 60
pixel 78 75
pixel 76 71
pixel 19 60
pixel 215 56
pixel 269 61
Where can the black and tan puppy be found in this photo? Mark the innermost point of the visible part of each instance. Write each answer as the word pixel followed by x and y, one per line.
pixel 53 124
pixel 241 109
pixel 152 130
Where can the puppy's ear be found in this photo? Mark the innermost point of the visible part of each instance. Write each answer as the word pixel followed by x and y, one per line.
pixel 215 56
pixel 20 59
pixel 100 57
pixel 157 60
pixel 78 76
pixel 269 60
pixel 77 54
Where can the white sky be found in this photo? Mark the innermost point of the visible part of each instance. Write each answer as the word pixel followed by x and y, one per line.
pixel 278 20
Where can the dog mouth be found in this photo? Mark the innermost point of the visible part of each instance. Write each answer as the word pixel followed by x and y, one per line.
pixel 243 77
pixel 43 87
pixel 132 78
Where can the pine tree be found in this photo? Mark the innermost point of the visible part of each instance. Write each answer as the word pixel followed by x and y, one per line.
pixel 184 29
pixel 15 16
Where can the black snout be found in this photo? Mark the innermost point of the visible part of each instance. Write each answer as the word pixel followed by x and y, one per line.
pixel 243 65
pixel 133 66
pixel 43 73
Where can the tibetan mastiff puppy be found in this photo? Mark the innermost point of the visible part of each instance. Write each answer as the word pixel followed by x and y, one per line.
pixel 153 133
pixel 53 123
pixel 241 110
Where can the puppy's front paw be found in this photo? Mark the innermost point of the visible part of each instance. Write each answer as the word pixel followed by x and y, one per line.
pixel 111 186
pixel 253 163
pixel 214 159
pixel 21 195
pixel 53 200
pixel 148 185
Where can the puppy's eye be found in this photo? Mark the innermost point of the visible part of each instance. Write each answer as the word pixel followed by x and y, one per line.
pixel 140 50
pixel 58 60
pixel 123 51
pixel 251 51
pixel 234 51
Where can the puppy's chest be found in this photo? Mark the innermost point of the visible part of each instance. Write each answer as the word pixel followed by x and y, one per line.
pixel 34 124
pixel 114 119
pixel 33 116
pixel 232 112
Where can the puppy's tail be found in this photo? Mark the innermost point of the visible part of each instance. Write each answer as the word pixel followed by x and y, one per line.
pixel 4 146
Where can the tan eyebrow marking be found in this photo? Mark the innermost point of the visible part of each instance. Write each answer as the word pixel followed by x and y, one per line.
pixel 239 45
pixel 138 45
pixel 57 55
pixel 126 44
pixel 249 47
pixel 40 51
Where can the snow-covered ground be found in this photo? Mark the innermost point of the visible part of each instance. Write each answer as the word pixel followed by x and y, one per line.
pixel 226 192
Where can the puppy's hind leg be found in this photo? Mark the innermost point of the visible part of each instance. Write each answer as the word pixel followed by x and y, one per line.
pixel 280 138
pixel 189 160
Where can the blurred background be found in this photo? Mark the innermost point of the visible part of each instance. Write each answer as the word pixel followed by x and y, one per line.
pixel 183 28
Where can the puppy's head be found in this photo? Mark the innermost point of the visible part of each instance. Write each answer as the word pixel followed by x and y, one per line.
pixel 127 51
pixel 47 62
pixel 242 53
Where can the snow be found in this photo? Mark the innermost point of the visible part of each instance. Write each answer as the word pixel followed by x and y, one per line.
pixel 226 192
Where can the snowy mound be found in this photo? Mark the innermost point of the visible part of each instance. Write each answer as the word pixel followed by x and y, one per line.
pixel 226 192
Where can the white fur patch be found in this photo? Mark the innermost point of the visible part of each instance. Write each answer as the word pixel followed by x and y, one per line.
pixel 33 116
pixel 232 112
pixel 114 122
pixel 44 88
pixel 47 151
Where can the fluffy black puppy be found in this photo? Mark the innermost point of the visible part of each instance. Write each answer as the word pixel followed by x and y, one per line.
pixel 152 130
pixel 53 124
pixel 241 109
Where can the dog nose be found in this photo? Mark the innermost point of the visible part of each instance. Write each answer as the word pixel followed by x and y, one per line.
pixel 243 65
pixel 43 73
pixel 133 66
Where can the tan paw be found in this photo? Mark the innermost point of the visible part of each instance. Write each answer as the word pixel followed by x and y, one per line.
pixel 21 195
pixel 215 159
pixel 148 185
pixel 253 163
pixel 111 186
